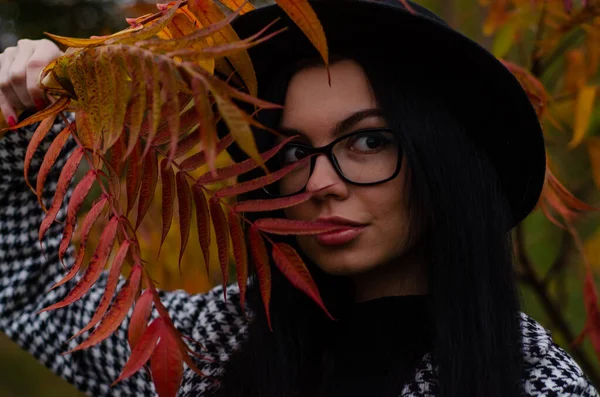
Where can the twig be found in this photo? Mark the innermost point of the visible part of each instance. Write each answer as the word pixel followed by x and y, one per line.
pixel 530 277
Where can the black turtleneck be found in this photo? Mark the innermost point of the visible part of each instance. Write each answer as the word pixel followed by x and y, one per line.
pixel 377 346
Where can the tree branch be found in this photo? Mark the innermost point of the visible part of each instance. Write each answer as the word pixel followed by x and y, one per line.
pixel 529 277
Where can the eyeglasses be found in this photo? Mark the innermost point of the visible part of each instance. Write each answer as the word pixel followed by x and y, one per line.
pixel 364 157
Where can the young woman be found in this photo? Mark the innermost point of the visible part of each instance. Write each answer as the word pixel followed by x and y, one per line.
pixel 429 153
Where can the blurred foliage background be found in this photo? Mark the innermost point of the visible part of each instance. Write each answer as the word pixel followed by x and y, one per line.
pixel 549 266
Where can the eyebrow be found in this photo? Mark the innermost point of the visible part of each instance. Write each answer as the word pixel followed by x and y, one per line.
pixel 342 125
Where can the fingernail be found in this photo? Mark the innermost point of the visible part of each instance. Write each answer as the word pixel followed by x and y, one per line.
pixel 11 121
pixel 40 104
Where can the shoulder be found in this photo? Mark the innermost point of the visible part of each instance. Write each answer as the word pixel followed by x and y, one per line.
pixel 549 370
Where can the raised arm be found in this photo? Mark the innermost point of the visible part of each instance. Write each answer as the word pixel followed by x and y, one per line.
pixel 27 273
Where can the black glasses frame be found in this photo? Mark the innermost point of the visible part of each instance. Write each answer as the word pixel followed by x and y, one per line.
pixel 327 150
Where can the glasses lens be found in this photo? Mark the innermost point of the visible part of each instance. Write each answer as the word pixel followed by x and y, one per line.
pixel 364 157
pixel 368 156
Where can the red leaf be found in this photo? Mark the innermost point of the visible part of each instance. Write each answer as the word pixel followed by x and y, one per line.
pixel 198 160
pixel 184 196
pixel 62 186
pixel 134 178
pixel 592 325
pixel 142 351
pixel 294 269
pixel 149 180
pixel 272 204
pixel 38 136
pixel 166 365
pixel 88 222
pixel 117 155
pixel 262 181
pixel 139 318
pixel 260 258
pixel 117 312
pixel 291 226
pixel 50 158
pixel 241 167
pixel 188 142
pixel 222 232
pixel 202 223
pixel 167 177
pixel 240 253
pixel 95 267
pixel 109 290
pixel 77 198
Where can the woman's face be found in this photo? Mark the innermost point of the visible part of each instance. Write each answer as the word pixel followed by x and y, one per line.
pixel 317 110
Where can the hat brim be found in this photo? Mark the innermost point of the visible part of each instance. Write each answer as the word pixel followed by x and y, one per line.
pixel 496 111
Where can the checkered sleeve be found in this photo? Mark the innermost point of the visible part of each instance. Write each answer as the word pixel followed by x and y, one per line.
pixel 28 270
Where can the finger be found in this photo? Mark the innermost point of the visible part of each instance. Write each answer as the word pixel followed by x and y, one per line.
pixel 41 57
pixel 8 98
pixel 18 73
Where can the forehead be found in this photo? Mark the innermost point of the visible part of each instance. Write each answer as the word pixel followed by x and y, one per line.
pixel 314 107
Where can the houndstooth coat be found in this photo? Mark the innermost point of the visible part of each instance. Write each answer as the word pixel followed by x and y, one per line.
pixel 26 275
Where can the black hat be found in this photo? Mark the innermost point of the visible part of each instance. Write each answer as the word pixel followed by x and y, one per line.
pixel 481 88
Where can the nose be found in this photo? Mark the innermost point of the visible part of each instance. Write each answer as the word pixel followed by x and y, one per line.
pixel 325 181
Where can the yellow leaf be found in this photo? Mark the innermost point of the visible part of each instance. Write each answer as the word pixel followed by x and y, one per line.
pixel 575 74
pixel 233 5
pixel 305 17
pixel 593 146
pixel 583 111
pixel 504 39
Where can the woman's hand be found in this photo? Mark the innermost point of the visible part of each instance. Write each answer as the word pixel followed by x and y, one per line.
pixel 20 67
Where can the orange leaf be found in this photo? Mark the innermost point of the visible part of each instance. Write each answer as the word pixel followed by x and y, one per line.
pixel 285 226
pixel 142 351
pixel 95 267
pixel 166 365
pixel 262 181
pixel 149 179
pixel 241 167
pixel 301 12
pixel 51 111
pixel 134 177
pixel 167 177
pixel 139 318
pixel 62 186
pixel 202 223
pixel 240 253
pixel 38 136
pixel 77 198
pixel 260 258
pixel 118 310
pixel 50 158
pixel 88 222
pixel 272 204
pixel 294 269
pixel 184 196
pixel 209 13
pixel 222 232
pixel 169 87
pixel 208 132
pixel 234 5
pixel 109 290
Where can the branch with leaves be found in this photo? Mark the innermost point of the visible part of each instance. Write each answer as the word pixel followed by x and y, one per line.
pixel 147 101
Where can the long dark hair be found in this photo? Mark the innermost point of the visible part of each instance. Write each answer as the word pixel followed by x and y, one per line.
pixel 456 198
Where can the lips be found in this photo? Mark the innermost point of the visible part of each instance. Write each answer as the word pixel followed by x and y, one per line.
pixel 340 236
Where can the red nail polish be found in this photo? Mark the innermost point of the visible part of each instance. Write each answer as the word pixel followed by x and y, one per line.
pixel 40 104
pixel 11 121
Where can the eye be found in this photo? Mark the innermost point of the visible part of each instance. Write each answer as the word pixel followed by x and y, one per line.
pixel 368 142
pixel 291 153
